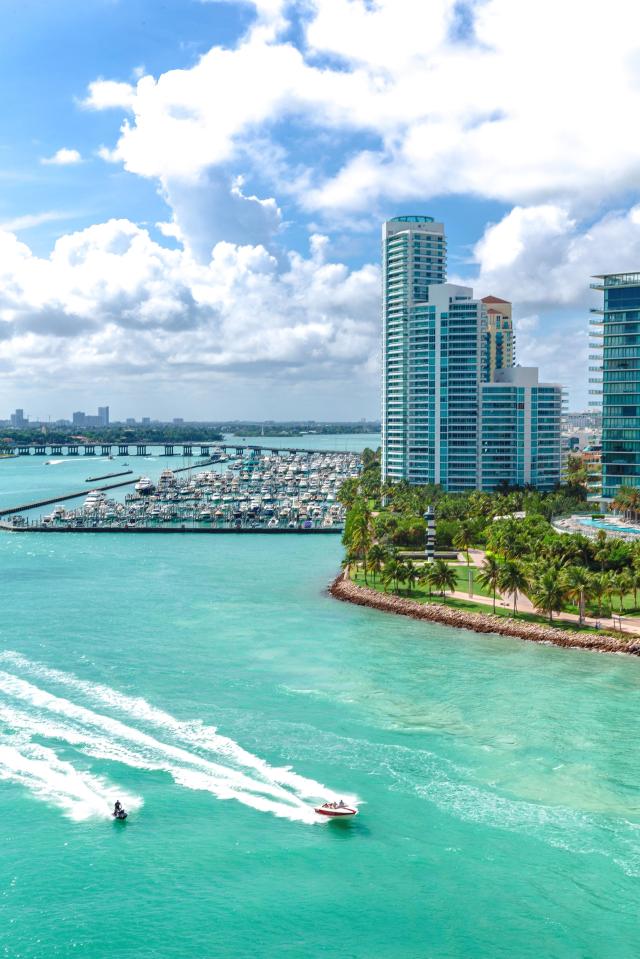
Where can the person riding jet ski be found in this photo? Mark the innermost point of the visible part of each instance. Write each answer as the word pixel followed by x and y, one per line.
pixel 119 811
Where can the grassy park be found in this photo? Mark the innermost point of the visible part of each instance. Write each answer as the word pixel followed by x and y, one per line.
pixel 523 554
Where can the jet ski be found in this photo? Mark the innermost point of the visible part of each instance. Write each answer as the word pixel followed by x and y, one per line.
pixel 336 810
pixel 119 812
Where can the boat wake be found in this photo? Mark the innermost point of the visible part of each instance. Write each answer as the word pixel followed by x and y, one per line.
pixel 46 712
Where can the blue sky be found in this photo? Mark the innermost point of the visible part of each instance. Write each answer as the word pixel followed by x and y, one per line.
pixel 191 192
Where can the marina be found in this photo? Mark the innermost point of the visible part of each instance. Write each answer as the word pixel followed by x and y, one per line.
pixel 279 493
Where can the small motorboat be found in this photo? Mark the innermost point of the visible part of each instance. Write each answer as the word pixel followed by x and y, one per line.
pixel 336 810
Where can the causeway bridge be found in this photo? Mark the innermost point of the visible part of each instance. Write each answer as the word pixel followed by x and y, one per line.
pixel 147 447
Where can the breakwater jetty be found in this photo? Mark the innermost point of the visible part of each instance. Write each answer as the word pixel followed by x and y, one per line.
pixel 343 588
pixel 96 479
pixel 36 504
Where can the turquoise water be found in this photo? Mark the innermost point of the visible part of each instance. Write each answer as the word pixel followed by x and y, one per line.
pixel 600 524
pixel 211 684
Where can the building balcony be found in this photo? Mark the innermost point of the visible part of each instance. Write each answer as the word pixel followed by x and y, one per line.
pixel 609 280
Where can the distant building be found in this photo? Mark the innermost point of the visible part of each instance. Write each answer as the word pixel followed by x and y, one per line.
pixel 583 420
pixel 617 336
pixel 79 418
pixel 103 415
pixel 130 421
pixel 498 341
pixel 146 421
pixel 178 421
pixel 18 419
pixel 520 431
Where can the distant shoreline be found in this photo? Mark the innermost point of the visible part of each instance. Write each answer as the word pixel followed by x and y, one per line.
pixel 346 590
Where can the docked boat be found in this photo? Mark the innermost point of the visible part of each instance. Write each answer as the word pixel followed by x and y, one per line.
pixel 144 486
pixel 336 810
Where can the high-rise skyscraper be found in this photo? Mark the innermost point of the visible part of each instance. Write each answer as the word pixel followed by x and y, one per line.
pixel 498 341
pixel 617 340
pixel 414 258
pixel 439 346
pixel 103 415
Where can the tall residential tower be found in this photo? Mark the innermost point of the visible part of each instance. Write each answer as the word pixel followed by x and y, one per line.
pixel 617 336
pixel 414 257
pixel 440 346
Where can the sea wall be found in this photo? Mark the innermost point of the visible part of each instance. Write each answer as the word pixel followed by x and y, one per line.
pixel 344 589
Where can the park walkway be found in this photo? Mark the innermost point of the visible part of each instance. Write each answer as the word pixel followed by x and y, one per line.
pixel 624 624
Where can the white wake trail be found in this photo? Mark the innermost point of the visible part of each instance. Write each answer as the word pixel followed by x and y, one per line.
pixel 79 794
pixel 107 738
pixel 195 733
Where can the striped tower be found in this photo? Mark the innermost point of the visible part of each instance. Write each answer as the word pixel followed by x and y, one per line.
pixel 430 536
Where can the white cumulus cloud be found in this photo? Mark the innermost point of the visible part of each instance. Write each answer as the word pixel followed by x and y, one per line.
pixel 111 303
pixel 504 108
pixel 63 157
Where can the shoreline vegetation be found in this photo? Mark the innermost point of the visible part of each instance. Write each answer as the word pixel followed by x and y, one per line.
pixel 343 588
pixel 500 565
pixel 158 433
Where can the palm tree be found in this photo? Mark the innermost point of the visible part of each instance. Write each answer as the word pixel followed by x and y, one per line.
pixel 359 538
pixel 463 540
pixel 489 576
pixel 548 591
pixel 426 577
pixel 602 551
pixel 634 580
pixel 579 584
pixel 389 573
pixel 599 589
pixel 411 575
pixel 610 587
pixel 513 580
pixel 377 557
pixel 401 574
pixel 625 583
pixel 443 576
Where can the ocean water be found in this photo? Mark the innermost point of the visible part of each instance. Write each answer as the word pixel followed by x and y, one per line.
pixel 213 686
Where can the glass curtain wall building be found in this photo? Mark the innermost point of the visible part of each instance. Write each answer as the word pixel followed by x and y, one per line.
pixel 617 336
pixel 440 345
pixel 414 258
pixel 520 420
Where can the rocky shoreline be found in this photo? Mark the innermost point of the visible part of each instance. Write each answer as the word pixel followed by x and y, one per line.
pixel 344 589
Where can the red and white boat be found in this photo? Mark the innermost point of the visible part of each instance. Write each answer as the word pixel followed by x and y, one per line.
pixel 335 810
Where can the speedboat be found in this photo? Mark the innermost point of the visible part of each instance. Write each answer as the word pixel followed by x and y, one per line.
pixel 334 810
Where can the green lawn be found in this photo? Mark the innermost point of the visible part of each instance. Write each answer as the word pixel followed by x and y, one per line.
pixel 421 595
pixel 463 581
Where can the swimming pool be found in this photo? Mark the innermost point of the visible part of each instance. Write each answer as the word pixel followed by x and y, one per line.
pixel 608 527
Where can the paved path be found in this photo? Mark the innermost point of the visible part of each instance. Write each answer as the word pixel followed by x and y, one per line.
pixel 628 624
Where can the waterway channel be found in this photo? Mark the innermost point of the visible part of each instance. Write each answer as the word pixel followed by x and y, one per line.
pixel 212 685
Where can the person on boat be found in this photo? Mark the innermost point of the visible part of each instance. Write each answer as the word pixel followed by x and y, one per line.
pixel 341 804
